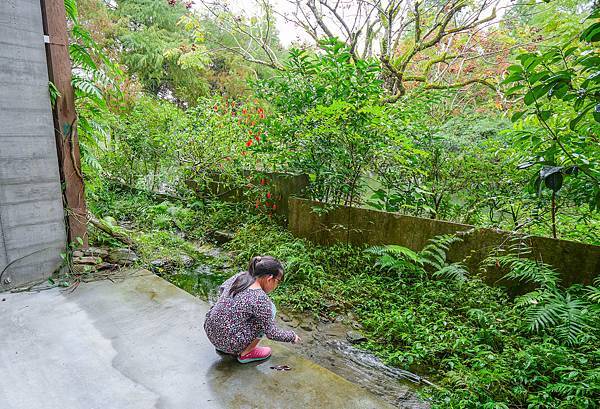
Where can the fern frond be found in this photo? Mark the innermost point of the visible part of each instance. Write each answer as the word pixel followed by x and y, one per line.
pixel 434 253
pixel 531 298
pixel 542 316
pixel 573 319
pixel 528 270
pixel 593 291
pixel 454 272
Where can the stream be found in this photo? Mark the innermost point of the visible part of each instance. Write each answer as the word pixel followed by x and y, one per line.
pixel 324 342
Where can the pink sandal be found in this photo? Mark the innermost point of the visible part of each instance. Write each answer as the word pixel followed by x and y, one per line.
pixel 257 354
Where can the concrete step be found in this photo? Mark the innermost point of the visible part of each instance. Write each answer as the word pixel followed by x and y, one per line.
pixel 139 343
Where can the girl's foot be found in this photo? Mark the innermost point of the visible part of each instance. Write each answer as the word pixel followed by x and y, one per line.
pixel 257 354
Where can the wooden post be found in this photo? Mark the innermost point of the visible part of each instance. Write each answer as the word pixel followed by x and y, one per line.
pixel 65 118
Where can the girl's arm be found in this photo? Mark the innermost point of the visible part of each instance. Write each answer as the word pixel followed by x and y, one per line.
pixel 264 313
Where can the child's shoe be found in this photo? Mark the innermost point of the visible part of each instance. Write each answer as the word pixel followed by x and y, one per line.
pixel 257 354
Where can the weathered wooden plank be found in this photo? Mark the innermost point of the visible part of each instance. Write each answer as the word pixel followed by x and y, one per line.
pixel 59 72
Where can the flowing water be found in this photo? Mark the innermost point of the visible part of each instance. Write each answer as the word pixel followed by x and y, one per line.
pixel 324 342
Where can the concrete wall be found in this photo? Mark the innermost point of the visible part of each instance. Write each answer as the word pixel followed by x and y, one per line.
pixel 32 230
pixel 281 186
pixel 577 262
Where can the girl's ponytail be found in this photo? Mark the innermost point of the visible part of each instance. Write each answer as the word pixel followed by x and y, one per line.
pixel 258 266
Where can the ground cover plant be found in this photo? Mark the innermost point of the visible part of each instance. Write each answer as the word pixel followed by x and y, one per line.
pixel 476 112
pixel 481 347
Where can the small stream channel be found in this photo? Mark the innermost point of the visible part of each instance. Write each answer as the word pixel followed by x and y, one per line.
pixel 324 342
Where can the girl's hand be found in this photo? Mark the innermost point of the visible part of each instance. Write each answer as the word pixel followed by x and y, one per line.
pixel 297 340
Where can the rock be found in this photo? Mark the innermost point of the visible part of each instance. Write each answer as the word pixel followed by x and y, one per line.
pixel 222 236
pixel 355 337
pixel 123 256
pixel 83 268
pixel 78 253
pixel 330 304
pixel 294 323
pixel 186 260
pixel 107 266
pixel 87 260
pixel 306 326
pixel 284 317
pixel 203 270
pixel 96 251
pixel 209 250
pixel 161 265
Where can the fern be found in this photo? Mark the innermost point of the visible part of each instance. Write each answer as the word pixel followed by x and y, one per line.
pixel 526 270
pixel 399 258
pixel 593 291
pixel 434 253
pixel 395 250
pixel 551 309
pixel 454 272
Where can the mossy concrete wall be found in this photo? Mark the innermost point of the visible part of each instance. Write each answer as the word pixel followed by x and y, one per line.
pixel 577 262
pixel 281 186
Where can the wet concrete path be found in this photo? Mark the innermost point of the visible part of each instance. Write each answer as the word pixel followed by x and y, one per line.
pixel 139 343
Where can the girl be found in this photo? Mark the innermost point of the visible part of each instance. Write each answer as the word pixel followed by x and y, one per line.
pixel 244 313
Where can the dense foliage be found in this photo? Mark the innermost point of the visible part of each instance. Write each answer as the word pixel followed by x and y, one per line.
pixel 482 348
pixel 463 115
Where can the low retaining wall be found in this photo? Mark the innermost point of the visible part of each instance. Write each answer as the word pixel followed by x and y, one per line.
pixel 577 262
pixel 280 185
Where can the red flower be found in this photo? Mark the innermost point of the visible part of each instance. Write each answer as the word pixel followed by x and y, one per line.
pixel 274 207
pixel 244 153
pixel 262 181
pixel 268 195
pixel 261 115
pixel 244 111
pixel 257 204
pixel 216 108
pixel 253 123
pixel 257 138
pixel 249 143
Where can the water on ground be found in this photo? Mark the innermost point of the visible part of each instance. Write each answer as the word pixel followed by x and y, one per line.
pixel 324 342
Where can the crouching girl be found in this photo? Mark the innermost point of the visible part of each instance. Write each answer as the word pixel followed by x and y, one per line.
pixel 244 312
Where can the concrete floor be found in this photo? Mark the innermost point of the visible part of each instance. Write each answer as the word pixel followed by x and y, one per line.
pixel 139 343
